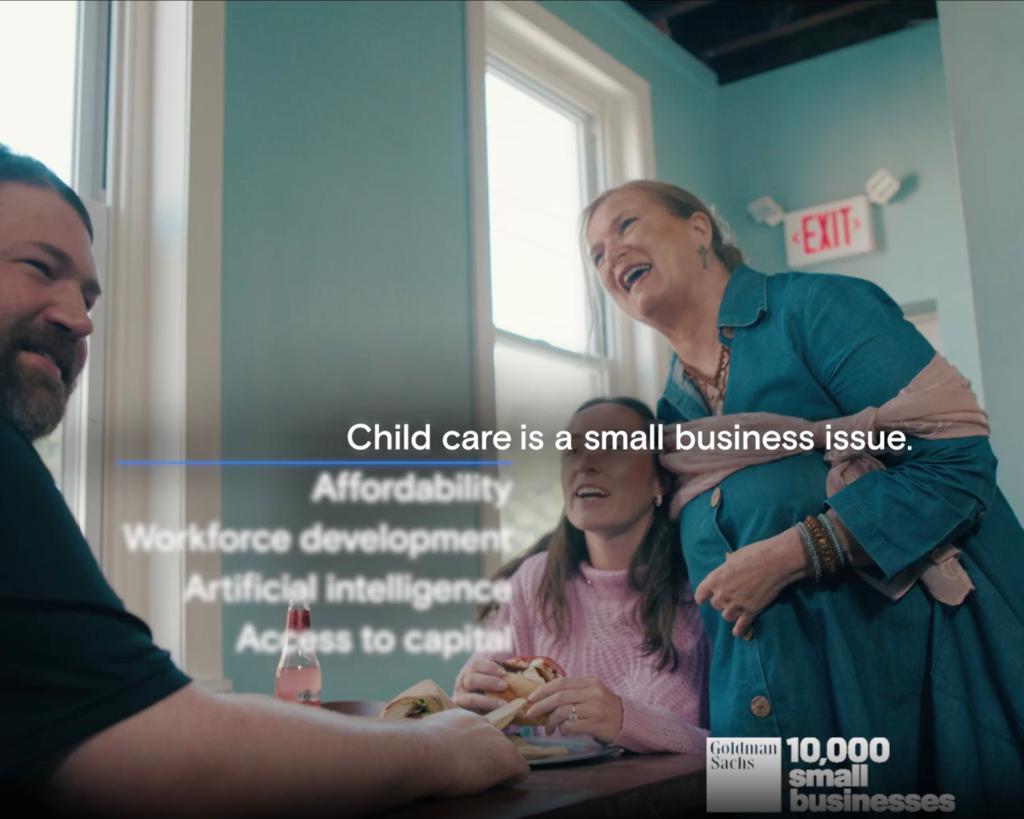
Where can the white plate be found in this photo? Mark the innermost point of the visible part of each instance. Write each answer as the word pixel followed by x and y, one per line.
pixel 579 751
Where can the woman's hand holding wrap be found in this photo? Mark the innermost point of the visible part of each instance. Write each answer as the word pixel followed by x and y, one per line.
pixel 478 686
pixel 578 705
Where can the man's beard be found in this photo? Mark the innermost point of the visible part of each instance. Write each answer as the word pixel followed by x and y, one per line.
pixel 29 399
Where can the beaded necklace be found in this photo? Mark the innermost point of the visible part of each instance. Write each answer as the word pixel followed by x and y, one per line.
pixel 712 387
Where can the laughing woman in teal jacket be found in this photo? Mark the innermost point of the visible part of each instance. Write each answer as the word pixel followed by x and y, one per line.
pixel 793 656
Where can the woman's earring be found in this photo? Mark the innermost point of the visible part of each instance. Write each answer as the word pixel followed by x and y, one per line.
pixel 703 253
pixel 657 500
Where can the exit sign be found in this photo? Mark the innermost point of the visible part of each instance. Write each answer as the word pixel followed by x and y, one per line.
pixel 830 231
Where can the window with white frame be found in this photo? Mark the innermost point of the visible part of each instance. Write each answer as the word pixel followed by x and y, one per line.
pixel 562 121
pixel 57 114
pixel 139 92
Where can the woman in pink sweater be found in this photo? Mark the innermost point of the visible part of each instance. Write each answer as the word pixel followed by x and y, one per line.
pixel 606 597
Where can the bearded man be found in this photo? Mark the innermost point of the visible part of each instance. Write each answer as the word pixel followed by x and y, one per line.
pixel 92 714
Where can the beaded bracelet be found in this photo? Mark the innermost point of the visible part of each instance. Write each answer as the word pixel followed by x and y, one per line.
pixel 842 556
pixel 829 564
pixel 812 553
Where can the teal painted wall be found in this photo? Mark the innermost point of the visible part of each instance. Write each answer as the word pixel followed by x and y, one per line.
pixel 346 268
pixel 346 280
pixel 984 64
pixel 815 131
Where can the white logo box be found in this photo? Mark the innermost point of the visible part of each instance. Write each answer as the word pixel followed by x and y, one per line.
pixel 744 775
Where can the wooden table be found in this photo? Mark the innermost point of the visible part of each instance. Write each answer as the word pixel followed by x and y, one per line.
pixel 651 786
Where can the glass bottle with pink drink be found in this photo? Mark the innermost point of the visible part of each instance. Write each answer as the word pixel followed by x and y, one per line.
pixel 298 672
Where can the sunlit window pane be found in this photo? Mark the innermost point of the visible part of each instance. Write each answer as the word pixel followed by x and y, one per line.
pixel 37 92
pixel 38 61
pixel 536 192
pixel 541 391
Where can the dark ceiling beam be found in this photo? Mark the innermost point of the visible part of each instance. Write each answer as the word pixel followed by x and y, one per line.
pixel 670 10
pixel 811 21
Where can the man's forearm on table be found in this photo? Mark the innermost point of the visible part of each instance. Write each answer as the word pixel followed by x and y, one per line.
pixel 197 752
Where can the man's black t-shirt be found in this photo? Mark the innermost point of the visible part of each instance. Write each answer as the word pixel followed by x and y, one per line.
pixel 72 660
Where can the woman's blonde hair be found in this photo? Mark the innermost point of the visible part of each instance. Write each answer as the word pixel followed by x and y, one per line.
pixel 679 203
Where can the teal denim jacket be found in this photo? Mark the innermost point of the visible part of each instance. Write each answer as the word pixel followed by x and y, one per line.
pixel 839 658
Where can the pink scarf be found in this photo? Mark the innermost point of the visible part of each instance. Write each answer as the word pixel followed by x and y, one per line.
pixel 937 403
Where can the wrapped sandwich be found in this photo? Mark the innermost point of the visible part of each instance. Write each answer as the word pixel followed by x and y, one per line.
pixel 424 698
pixel 524 675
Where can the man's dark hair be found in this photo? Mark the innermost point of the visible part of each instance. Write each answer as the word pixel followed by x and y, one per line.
pixel 28 171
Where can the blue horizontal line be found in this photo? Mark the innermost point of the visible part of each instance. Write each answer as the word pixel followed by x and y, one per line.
pixel 384 463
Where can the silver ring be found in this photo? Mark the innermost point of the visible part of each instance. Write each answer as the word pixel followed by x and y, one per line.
pixel 574 715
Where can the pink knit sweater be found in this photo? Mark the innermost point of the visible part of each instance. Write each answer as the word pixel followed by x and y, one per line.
pixel 661 710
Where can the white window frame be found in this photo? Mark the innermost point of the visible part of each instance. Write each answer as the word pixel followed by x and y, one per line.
pixel 538 45
pixel 161 345
pixel 82 444
pixel 522 69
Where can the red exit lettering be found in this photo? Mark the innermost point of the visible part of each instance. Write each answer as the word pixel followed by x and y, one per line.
pixel 825 230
